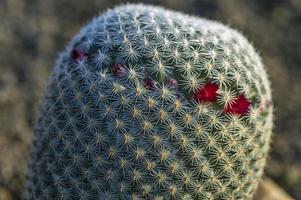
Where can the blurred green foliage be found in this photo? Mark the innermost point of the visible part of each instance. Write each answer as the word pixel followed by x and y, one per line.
pixel 32 32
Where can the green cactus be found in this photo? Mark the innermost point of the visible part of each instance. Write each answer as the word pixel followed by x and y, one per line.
pixel 147 103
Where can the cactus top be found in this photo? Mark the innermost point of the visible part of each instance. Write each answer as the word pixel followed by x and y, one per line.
pixel 147 103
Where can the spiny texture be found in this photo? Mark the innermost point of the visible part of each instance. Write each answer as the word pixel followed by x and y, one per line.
pixel 147 103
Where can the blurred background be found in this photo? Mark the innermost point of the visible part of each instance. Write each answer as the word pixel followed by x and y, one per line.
pixel 33 32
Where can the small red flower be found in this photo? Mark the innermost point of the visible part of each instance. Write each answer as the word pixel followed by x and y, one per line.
pixel 261 108
pixel 172 82
pixel 206 93
pixel 264 105
pixel 241 106
pixel 119 69
pixel 149 84
pixel 78 54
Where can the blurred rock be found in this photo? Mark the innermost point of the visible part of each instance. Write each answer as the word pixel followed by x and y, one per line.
pixel 269 190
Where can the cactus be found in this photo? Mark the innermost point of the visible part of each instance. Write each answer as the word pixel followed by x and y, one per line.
pixel 147 103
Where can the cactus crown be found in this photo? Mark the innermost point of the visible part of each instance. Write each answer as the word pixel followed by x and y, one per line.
pixel 147 103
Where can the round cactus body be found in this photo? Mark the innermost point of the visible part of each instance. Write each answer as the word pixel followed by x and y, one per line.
pixel 147 103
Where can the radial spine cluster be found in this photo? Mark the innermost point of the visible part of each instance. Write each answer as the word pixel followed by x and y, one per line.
pixel 152 104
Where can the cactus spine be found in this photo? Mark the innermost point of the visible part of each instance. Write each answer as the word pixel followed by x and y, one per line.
pixel 147 103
